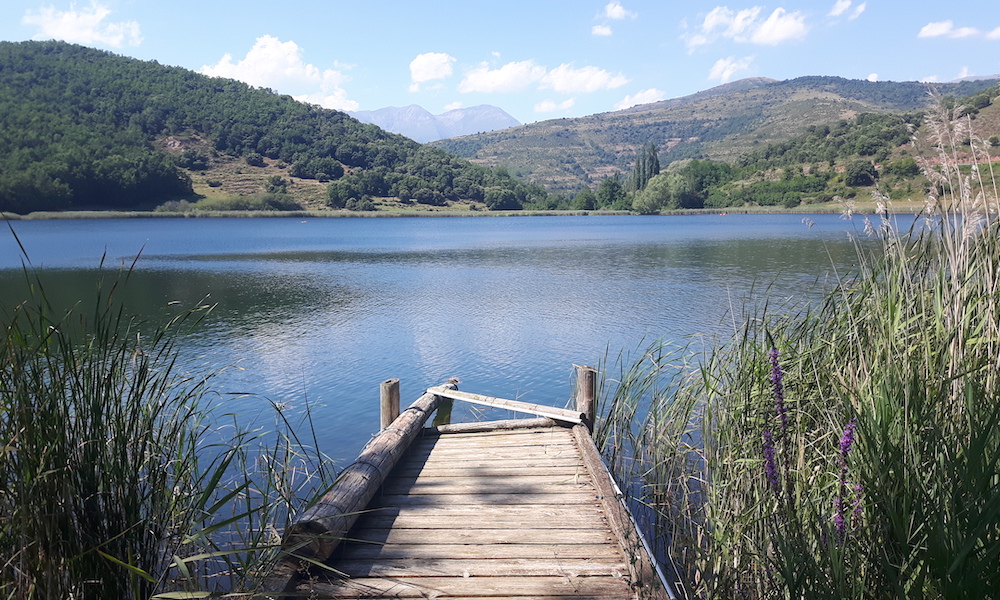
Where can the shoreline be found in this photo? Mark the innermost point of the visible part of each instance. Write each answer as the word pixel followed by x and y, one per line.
pixel 860 208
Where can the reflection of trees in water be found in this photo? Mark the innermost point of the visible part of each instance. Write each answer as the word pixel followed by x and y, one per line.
pixel 150 295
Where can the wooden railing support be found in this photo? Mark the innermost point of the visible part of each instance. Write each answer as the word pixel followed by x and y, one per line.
pixel 586 394
pixel 388 402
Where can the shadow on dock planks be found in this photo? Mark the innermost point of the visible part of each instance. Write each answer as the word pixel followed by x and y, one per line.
pixel 515 508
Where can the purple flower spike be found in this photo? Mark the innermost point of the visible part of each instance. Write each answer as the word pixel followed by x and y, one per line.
pixel 839 522
pixel 847 440
pixel 856 516
pixel 771 466
pixel 839 518
pixel 777 383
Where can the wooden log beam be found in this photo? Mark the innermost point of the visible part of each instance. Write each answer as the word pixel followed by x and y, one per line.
pixel 507 425
pixel 642 566
pixel 540 410
pixel 317 532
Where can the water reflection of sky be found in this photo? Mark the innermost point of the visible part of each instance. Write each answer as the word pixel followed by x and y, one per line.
pixel 325 310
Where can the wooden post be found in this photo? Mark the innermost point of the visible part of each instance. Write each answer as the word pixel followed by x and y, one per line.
pixel 586 394
pixel 389 402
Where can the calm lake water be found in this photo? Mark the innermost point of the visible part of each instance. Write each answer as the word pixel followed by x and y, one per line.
pixel 323 310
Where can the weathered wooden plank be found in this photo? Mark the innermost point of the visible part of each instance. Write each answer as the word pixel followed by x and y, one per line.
pixel 515 484
pixel 529 597
pixel 483 567
pixel 361 550
pixel 559 414
pixel 469 513
pixel 531 437
pixel 490 427
pixel 473 587
pixel 527 513
pixel 566 466
pixel 560 431
pixel 565 497
pixel 485 536
pixel 515 436
pixel 526 454
pixel 410 521
pixel 448 469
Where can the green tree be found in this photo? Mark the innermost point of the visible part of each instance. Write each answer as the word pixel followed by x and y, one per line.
pixel 498 198
pixel 860 173
pixel 585 200
pixel 664 191
pixel 611 194
pixel 647 166
pixel 904 167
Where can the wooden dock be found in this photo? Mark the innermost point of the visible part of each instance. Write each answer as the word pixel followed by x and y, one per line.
pixel 502 509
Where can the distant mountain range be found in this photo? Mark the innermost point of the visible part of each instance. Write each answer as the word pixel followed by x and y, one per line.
pixel 420 125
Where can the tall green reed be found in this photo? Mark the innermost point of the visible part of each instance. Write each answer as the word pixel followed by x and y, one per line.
pixel 117 477
pixel 847 449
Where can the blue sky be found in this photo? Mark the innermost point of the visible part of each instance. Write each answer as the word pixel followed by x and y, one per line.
pixel 537 60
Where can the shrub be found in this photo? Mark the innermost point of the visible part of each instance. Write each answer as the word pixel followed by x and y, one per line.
pixel 847 450
pixel 114 482
pixel 860 173
pixel 364 204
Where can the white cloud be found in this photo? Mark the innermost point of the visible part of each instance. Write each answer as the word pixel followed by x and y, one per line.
pixel 929 79
pixel 615 11
pixel 453 106
pixel 547 106
pixel 873 77
pixel 965 72
pixel 839 8
pixel 600 30
pixel 948 29
pixel 994 35
pixel 85 26
pixel 336 99
pixel 936 29
pixel 511 77
pixel 725 69
pixel 780 27
pixel 279 65
pixel 746 26
pixel 697 39
pixel 430 66
pixel 517 76
pixel 643 97
pixel 569 80
pixel 729 24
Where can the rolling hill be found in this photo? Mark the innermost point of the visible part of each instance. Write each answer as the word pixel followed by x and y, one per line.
pixel 722 124
pixel 82 128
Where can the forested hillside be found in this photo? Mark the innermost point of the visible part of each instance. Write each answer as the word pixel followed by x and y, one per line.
pixel 827 164
pixel 83 128
pixel 720 124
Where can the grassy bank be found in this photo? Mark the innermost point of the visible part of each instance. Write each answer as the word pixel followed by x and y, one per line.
pixel 845 450
pixel 867 207
pixel 118 478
